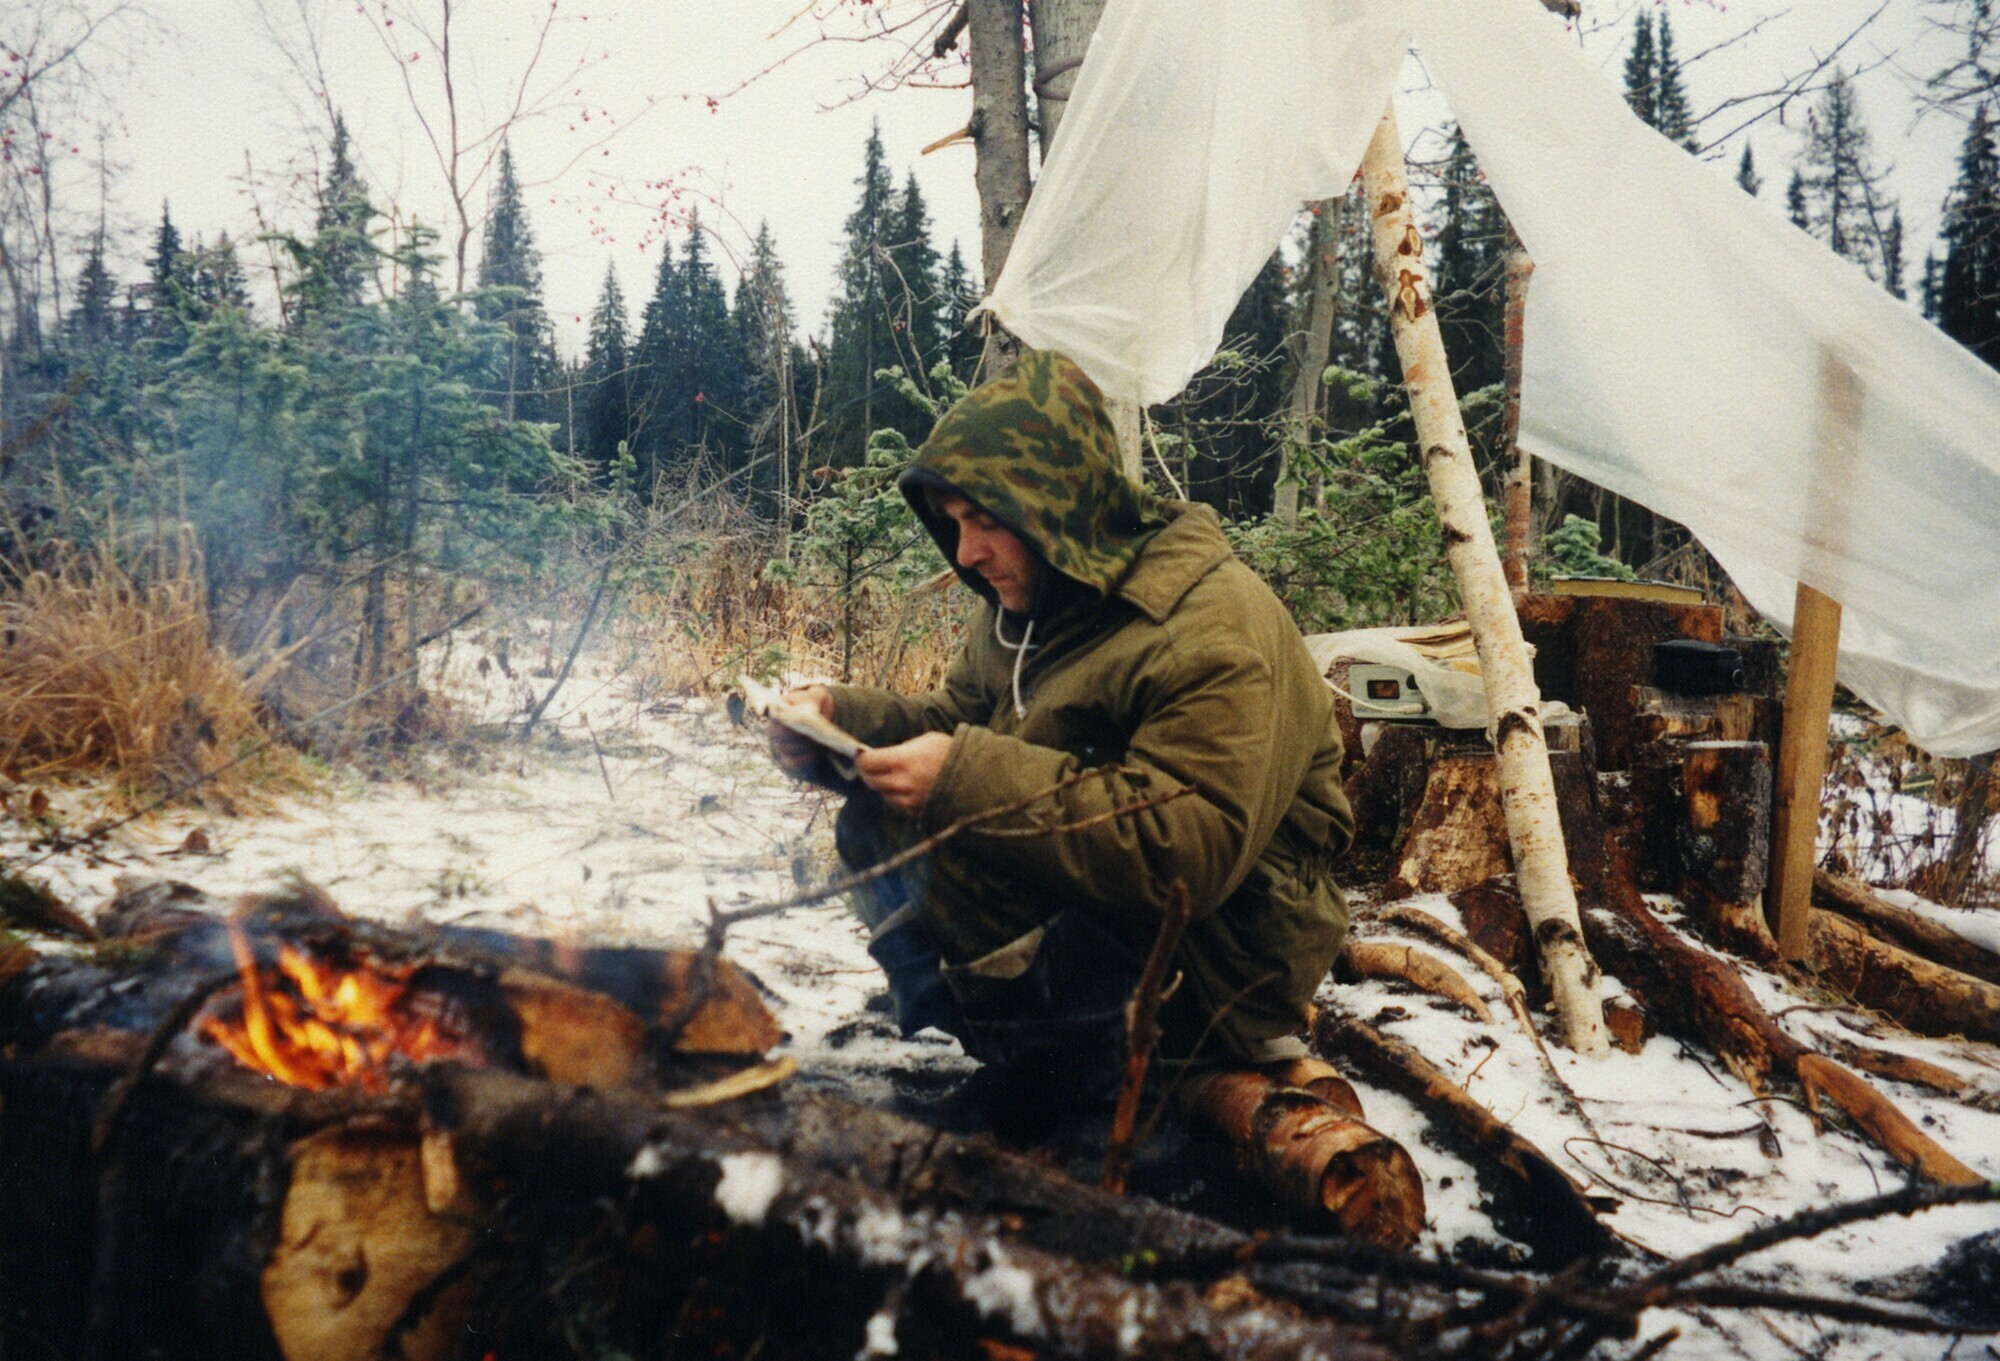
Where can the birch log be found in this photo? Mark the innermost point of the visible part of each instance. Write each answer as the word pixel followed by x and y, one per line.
pixel 1513 704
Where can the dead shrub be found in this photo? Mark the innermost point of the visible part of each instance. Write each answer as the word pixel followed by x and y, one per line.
pixel 107 670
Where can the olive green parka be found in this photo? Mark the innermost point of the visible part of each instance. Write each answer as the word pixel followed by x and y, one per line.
pixel 1156 654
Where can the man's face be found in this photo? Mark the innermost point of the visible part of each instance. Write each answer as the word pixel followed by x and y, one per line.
pixel 987 547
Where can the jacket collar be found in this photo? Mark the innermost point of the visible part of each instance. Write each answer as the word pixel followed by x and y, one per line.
pixel 1188 549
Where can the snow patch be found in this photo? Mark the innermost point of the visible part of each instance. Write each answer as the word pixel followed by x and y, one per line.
pixel 647 1162
pixel 750 1182
pixel 1004 1290
pixel 880 1338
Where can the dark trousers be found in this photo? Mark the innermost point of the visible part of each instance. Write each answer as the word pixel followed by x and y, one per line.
pixel 1040 988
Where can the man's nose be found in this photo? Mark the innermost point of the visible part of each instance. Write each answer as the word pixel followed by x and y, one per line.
pixel 971 548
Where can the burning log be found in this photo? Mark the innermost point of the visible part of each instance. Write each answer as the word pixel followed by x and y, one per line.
pixel 1311 1148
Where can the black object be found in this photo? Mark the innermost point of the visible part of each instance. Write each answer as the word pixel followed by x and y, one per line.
pixel 1685 667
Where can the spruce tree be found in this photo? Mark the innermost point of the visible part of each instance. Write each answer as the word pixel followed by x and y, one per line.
pixel 762 319
pixel 168 283
pixel 1654 88
pixel 1968 281
pixel 1642 70
pixel 337 266
pixel 652 365
pixel 1892 255
pixel 1470 242
pixel 510 294
pixel 1841 189
pixel 961 294
pixel 94 319
pixel 708 372
pixel 915 292
pixel 862 340
pixel 1747 178
pixel 607 377
pixel 1795 202
pixel 1671 112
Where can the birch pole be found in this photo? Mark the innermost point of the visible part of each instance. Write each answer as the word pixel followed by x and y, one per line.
pixel 1527 788
pixel 1518 496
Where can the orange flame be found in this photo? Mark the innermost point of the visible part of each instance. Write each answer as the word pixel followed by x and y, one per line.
pixel 330 1027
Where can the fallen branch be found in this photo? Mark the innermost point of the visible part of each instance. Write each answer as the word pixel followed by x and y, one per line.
pixel 1407 964
pixel 1142 1035
pixel 1931 999
pixel 1900 926
pixel 582 632
pixel 1548 1209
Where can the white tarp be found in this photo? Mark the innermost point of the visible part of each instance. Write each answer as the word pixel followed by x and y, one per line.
pixel 1686 346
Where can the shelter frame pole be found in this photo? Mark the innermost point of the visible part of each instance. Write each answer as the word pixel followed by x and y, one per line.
pixel 1802 767
pixel 1513 704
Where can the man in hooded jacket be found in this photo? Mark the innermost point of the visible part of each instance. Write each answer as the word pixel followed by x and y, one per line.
pixel 1115 634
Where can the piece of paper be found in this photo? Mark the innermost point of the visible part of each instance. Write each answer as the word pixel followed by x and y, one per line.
pixel 769 702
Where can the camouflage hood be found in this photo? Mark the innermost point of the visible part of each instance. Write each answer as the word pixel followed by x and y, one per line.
pixel 1035 448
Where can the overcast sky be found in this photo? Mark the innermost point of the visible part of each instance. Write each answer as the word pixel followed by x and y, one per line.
pixel 219 121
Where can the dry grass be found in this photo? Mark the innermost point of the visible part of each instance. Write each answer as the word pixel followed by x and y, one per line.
pixel 107 671
pixel 716 613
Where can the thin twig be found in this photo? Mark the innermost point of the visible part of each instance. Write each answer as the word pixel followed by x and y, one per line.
pixel 720 922
pixel 582 632
pixel 1142 1035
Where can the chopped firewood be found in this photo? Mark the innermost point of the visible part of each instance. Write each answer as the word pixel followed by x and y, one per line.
pixel 1541 1204
pixel 1900 926
pixel 1323 1080
pixel 1928 998
pixel 1626 1023
pixel 356 1242
pixel 1407 964
pixel 1316 1157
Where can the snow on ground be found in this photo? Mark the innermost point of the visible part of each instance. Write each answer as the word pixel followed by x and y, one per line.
pixel 627 815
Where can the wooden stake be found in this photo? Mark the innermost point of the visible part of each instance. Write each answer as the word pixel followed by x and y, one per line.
pixel 1815 648
pixel 1528 791
pixel 1802 766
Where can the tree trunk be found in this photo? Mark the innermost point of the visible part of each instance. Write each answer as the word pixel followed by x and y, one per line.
pixel 1520 466
pixel 999 126
pixel 1062 30
pixel 1527 786
pixel 1925 997
pixel 1323 266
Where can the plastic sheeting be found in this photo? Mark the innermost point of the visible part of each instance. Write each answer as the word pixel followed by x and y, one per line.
pixel 1686 347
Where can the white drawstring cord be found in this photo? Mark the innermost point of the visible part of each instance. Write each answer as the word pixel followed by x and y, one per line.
pixel 1020 656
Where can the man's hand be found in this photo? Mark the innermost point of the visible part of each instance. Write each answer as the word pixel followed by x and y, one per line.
pixel 798 755
pixel 903 774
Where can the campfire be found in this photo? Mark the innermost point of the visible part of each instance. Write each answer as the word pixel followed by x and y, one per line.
pixel 316 1024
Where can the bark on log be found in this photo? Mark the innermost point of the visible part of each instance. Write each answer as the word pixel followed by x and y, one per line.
pixel 1317 1157
pixel 1724 837
pixel 1925 997
pixel 1532 1198
pixel 1533 828
pixel 1458 838
pixel 1407 964
pixel 1900 926
pixel 1700 995
pixel 800 1218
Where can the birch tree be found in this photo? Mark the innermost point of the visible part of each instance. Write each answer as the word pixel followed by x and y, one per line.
pixel 1513 703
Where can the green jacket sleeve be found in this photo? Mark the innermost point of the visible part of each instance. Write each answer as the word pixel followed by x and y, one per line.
pixel 882 718
pixel 1208 725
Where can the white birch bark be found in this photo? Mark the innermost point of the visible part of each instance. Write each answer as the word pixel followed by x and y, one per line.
pixel 1513 704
